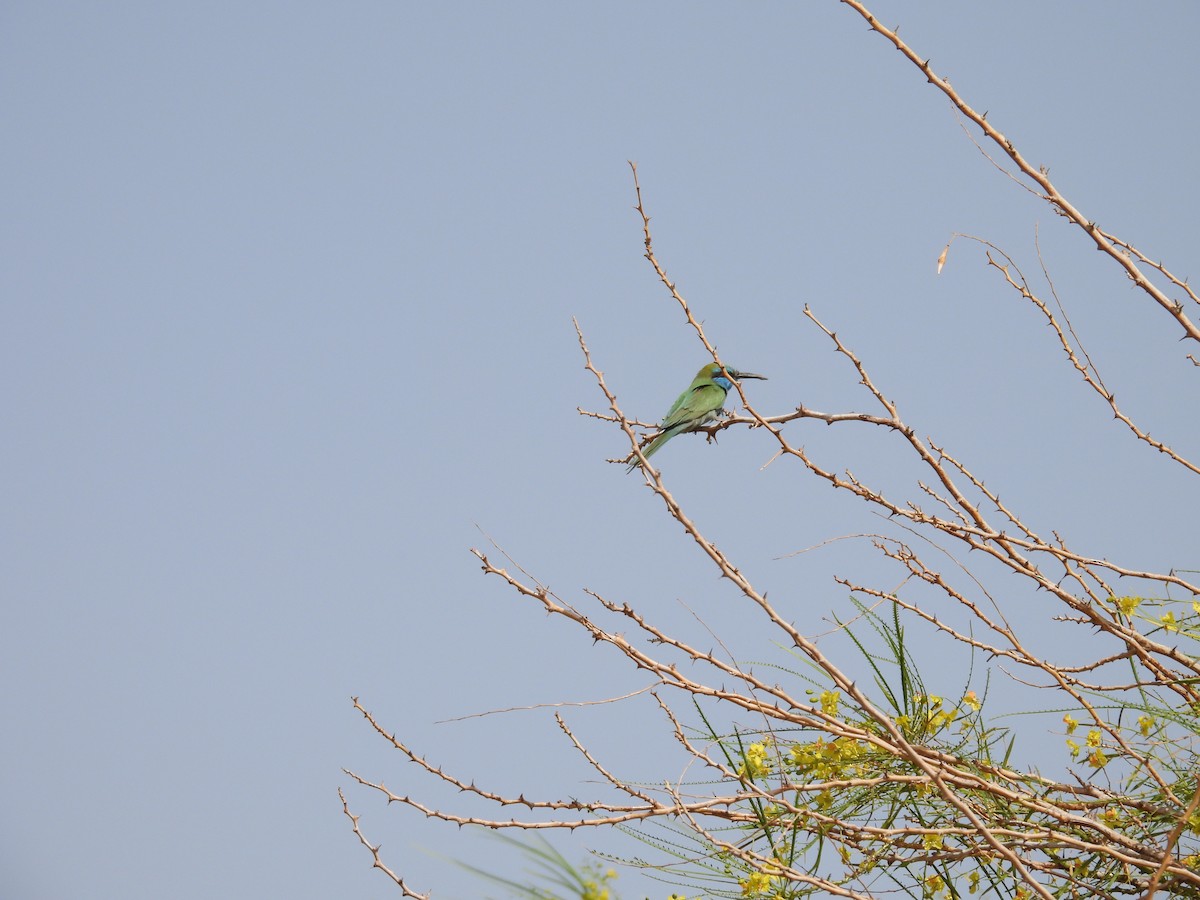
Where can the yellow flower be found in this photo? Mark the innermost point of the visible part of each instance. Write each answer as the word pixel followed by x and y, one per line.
pixel 941 719
pixel 1069 721
pixel 1127 605
pixel 846 749
pixel 1072 746
pixel 932 841
pixel 755 764
pixel 969 699
pixel 1097 759
pixel 973 882
pixel 1168 620
pixel 595 885
pixel 1093 738
pixel 1145 723
pixel 829 702
pixel 755 883
pixel 1193 822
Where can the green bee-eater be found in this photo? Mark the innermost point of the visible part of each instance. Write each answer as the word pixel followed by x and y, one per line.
pixel 700 404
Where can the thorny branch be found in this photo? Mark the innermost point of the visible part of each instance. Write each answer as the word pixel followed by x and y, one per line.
pixel 1118 250
pixel 1069 341
pixel 1010 821
pixel 974 789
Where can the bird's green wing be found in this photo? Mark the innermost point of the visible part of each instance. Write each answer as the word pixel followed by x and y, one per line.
pixel 695 403
pixel 679 401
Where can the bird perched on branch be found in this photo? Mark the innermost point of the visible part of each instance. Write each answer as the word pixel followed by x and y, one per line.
pixel 702 403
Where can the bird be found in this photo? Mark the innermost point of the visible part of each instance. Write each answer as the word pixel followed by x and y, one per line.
pixel 702 403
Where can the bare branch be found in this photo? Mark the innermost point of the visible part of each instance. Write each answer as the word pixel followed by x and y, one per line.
pixel 1039 176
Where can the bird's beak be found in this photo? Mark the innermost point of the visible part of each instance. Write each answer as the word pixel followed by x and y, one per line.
pixel 739 376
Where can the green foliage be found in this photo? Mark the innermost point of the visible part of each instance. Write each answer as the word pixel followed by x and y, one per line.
pixel 552 876
pixel 809 808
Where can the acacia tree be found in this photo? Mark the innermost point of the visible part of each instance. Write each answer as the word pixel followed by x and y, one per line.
pixel 860 786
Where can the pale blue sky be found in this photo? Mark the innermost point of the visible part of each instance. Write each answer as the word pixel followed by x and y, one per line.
pixel 287 297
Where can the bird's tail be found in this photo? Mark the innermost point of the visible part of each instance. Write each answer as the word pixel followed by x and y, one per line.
pixel 653 446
